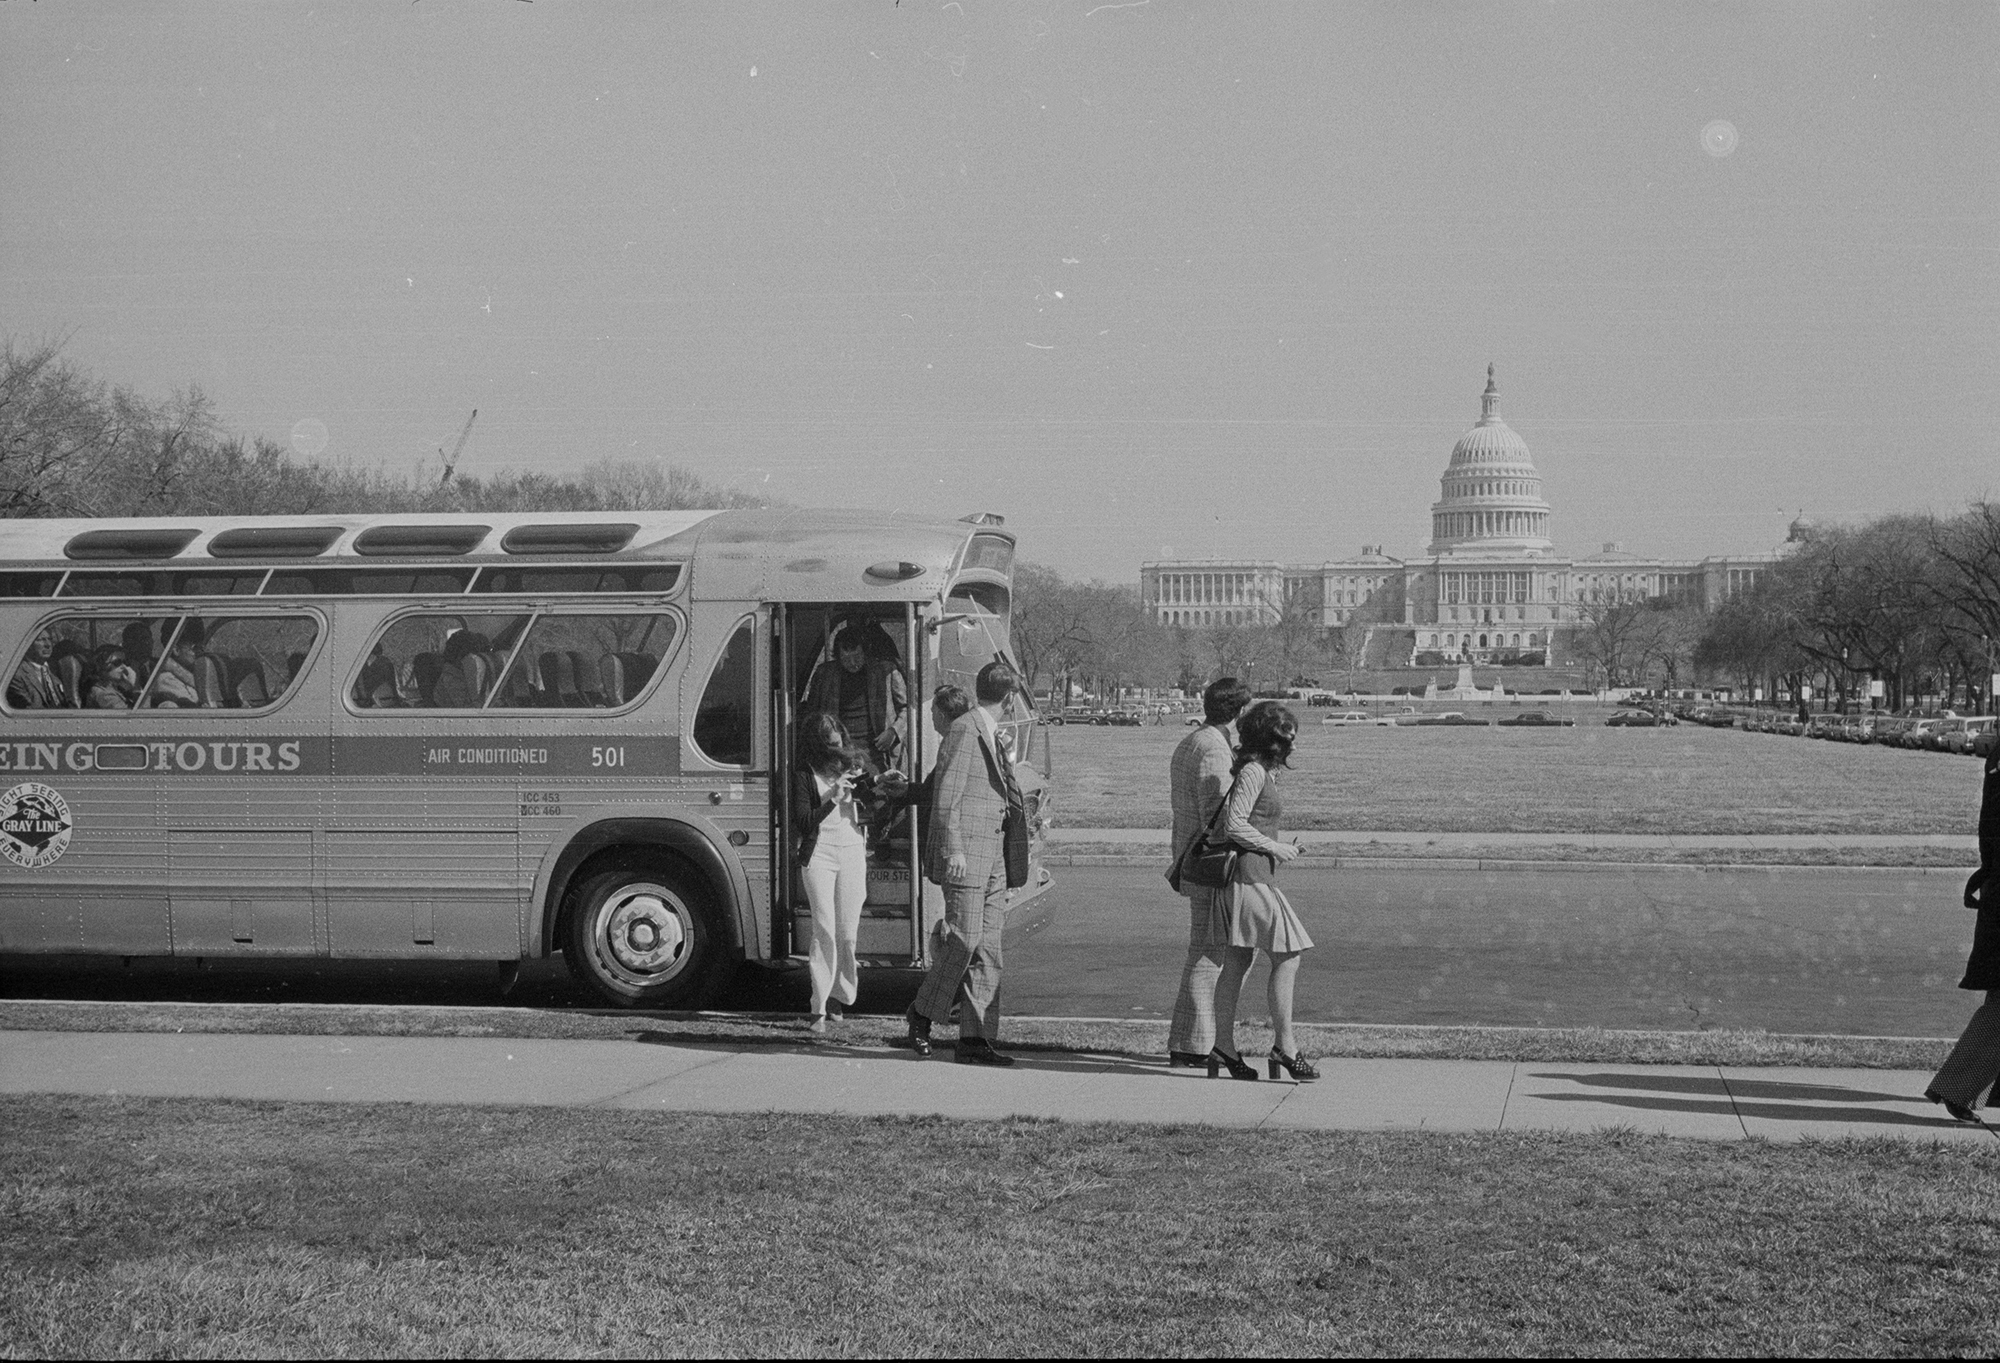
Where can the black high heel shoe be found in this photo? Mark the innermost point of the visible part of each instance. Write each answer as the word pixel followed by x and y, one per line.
pixel 1297 1066
pixel 1185 1060
pixel 1238 1067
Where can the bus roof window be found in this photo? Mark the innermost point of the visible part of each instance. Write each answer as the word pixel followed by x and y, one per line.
pixel 988 598
pixel 995 553
pixel 371 582
pixel 568 539
pixel 116 544
pixel 652 578
pixel 420 541
pixel 29 584
pixel 274 541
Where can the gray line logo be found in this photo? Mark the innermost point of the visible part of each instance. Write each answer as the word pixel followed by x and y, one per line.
pixel 34 825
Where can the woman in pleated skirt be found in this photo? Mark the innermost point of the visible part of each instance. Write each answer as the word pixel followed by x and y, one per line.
pixel 1252 913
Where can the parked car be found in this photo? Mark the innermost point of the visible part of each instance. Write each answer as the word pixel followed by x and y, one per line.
pixel 1449 718
pixel 1537 719
pixel 1985 742
pixel 1407 715
pixel 1631 719
pixel 1822 726
pixel 1347 717
pixel 1943 736
pixel 1125 719
pixel 1966 740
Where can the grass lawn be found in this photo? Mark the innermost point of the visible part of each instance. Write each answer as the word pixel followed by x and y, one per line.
pixel 147 1228
pixel 1909 856
pixel 1587 779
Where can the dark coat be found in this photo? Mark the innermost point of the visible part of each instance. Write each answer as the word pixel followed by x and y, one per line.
pixel 1982 968
pixel 808 812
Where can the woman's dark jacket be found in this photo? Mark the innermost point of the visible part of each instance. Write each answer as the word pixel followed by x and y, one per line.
pixel 1982 968
pixel 808 811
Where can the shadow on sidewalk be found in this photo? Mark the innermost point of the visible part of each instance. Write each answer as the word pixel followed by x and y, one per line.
pixel 1731 1088
pixel 869 1044
pixel 1777 1112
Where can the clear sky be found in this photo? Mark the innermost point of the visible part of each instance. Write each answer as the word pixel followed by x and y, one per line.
pixel 1148 278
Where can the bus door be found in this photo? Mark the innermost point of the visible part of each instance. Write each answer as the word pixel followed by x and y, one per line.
pixel 806 673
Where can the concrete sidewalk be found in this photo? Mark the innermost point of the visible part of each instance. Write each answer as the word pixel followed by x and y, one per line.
pixel 865 1076
pixel 1310 838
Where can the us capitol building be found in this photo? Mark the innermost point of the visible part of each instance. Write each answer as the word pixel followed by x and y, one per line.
pixel 1491 586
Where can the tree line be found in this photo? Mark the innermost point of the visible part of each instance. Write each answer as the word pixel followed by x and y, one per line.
pixel 1910 601
pixel 1100 639
pixel 72 444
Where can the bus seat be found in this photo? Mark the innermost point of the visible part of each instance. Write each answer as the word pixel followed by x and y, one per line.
pixel 211 679
pixel 589 686
pixel 514 686
pixel 559 676
pixel 478 671
pixel 69 669
pixel 622 676
pixel 246 684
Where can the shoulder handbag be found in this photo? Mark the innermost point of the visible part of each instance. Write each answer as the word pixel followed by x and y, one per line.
pixel 1202 864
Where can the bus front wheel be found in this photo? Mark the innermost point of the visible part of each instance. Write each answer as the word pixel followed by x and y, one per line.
pixel 644 936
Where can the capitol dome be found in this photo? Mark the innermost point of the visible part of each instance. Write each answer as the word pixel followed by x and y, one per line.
pixel 1492 500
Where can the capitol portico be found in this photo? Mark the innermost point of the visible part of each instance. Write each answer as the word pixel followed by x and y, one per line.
pixel 1490 587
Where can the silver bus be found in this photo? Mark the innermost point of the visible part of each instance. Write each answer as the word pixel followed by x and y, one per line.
pixel 466 736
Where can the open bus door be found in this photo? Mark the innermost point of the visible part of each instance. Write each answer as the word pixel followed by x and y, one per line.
pixel 894 916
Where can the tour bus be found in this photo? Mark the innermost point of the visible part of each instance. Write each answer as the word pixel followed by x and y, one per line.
pixel 465 737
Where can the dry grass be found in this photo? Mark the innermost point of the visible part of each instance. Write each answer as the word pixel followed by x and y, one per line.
pixel 1683 780
pixel 1916 856
pixel 230 1230
pixel 1579 1045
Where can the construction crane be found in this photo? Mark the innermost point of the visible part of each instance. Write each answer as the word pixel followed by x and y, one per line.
pixel 451 461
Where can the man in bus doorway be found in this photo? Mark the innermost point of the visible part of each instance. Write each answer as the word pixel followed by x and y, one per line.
pixel 863 688
pixel 978 830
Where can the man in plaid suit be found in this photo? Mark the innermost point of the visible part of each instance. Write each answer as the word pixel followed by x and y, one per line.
pixel 1200 774
pixel 971 791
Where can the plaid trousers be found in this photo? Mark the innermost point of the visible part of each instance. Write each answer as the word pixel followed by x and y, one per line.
pixel 967 968
pixel 1193 1027
pixel 1974 1063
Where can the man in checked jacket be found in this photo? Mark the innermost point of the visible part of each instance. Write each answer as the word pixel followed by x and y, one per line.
pixel 1200 776
pixel 971 791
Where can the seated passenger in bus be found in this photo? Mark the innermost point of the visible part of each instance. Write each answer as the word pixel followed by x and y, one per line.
pixel 174 687
pixel 112 684
pixel 35 684
pixel 462 671
pixel 379 685
pixel 862 686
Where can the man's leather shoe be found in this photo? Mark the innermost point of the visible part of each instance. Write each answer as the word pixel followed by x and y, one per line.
pixel 919 1036
pixel 975 1051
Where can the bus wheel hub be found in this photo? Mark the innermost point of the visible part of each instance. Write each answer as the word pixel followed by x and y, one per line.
pixel 645 935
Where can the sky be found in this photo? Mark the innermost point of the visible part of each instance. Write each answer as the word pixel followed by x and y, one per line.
pixel 1149 279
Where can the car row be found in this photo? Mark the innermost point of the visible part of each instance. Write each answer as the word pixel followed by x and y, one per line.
pixel 1974 735
pixel 1081 714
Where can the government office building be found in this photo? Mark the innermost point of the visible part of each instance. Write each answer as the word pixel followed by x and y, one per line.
pixel 1491 586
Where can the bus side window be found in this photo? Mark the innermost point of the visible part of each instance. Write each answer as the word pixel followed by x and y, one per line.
pixel 585 660
pixel 171 661
pixel 723 721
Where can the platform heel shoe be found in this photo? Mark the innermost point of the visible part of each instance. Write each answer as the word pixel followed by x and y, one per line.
pixel 1219 1059
pixel 1297 1066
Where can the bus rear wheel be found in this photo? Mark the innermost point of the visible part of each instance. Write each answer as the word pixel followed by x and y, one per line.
pixel 644 936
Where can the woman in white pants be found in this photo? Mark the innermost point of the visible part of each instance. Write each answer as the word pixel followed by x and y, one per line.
pixel 832 855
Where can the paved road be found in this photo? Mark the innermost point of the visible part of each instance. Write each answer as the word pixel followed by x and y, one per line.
pixel 1859 952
